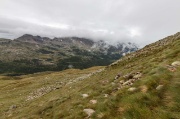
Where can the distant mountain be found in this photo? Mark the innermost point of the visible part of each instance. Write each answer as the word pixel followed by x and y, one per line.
pixel 29 54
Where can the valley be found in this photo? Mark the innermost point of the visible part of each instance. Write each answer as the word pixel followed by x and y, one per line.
pixel 31 54
pixel 144 84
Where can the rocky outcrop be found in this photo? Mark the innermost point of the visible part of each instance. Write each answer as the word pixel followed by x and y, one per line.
pixel 128 80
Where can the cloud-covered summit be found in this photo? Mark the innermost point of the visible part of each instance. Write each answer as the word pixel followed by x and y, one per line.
pixel 142 21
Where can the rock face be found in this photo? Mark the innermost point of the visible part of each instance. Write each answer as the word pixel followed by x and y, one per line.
pixel 89 112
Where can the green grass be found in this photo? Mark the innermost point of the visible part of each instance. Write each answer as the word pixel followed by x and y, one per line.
pixel 66 101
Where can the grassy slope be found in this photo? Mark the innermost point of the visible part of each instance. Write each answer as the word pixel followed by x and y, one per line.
pixel 58 94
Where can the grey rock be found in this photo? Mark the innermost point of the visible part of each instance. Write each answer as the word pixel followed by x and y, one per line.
pixel 106 95
pixel 176 63
pixel 132 89
pixel 93 101
pixel 137 76
pixel 89 112
pixel 159 87
pixel 85 95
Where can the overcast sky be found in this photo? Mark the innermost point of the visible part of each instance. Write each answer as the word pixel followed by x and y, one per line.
pixel 138 21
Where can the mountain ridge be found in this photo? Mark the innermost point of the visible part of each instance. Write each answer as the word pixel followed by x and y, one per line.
pixel 37 53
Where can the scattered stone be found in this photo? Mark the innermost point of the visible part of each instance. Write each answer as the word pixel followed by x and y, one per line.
pixel 93 101
pixel 133 80
pixel 130 83
pixel 138 75
pixel 176 63
pixel 106 95
pixel 171 68
pixel 42 91
pixel 85 95
pixel 132 89
pixel 128 76
pixel 12 107
pixel 121 82
pixel 159 87
pixel 125 83
pixel 89 112
pixel 104 82
pixel 117 76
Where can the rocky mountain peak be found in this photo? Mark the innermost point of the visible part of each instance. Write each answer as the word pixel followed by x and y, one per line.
pixel 30 39
pixel 80 42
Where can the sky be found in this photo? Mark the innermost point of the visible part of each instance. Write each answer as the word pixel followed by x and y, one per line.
pixel 138 21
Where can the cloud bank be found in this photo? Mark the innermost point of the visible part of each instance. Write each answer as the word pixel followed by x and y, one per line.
pixel 138 21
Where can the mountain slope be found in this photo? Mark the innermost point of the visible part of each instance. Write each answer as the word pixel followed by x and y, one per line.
pixel 141 85
pixel 30 54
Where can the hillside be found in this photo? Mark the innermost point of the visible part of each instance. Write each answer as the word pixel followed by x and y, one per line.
pixel 141 85
pixel 30 54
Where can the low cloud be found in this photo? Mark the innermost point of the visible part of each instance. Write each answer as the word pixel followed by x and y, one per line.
pixel 141 22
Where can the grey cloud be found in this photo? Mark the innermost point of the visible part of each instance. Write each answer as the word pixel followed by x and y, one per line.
pixel 139 21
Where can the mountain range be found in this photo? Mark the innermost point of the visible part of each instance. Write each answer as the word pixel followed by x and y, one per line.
pixel 30 54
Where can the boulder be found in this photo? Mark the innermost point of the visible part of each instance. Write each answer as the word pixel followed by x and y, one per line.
pixel 121 82
pixel 137 76
pixel 176 63
pixel 132 89
pixel 89 112
pixel 127 83
pixel 85 95
pixel 117 76
pixel 93 101
pixel 159 87
pixel 106 95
